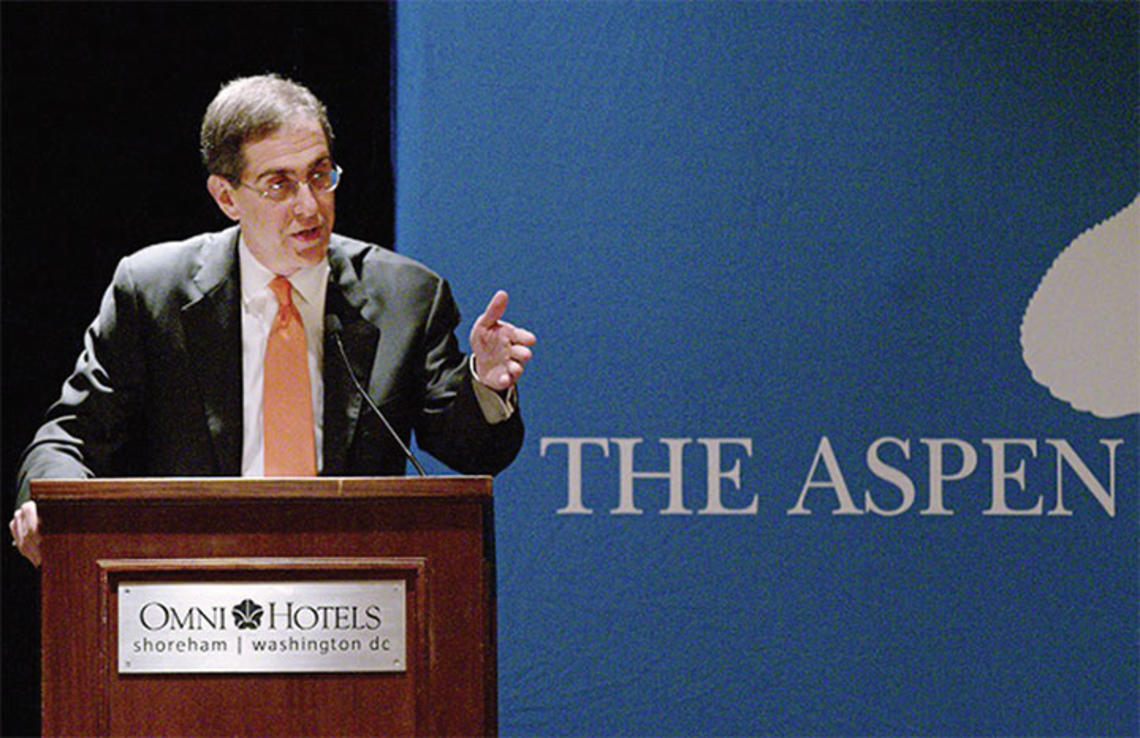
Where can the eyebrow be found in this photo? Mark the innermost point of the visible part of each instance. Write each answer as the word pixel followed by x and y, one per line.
pixel 315 163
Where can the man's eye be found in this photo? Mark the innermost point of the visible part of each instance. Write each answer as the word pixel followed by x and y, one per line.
pixel 277 185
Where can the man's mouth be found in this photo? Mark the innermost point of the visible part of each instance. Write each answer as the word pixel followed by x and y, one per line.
pixel 309 234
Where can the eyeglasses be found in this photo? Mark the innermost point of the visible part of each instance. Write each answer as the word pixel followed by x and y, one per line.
pixel 282 188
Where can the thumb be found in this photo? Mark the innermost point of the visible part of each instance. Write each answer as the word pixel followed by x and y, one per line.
pixel 495 309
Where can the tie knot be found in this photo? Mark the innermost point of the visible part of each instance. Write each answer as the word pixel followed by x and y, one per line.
pixel 282 290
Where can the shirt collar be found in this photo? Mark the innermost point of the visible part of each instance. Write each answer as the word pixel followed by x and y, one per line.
pixel 255 277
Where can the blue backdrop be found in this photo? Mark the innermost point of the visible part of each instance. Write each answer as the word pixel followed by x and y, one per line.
pixel 787 470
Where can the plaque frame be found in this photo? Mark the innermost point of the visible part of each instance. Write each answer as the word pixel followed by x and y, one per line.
pixel 412 570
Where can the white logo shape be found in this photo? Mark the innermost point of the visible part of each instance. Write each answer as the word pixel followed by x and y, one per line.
pixel 1080 336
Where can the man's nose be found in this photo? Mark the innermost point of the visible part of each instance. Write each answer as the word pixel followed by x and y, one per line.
pixel 305 203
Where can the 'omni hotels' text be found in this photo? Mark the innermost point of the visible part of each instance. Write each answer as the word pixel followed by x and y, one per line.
pixel 160 616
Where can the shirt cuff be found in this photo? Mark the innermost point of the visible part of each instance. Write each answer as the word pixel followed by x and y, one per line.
pixel 497 407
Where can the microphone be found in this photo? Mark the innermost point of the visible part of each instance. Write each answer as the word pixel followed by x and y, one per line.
pixel 333 327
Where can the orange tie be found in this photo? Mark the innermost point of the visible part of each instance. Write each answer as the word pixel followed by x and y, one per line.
pixel 289 447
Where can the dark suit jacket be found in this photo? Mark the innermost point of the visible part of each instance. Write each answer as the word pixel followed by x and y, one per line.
pixel 157 390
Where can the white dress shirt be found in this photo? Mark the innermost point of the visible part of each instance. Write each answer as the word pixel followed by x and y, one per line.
pixel 258 310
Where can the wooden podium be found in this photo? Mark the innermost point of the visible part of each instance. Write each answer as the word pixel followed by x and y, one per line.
pixel 102 537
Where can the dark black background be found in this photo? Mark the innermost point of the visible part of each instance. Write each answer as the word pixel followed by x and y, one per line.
pixel 101 105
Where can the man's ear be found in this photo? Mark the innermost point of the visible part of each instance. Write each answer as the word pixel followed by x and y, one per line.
pixel 223 193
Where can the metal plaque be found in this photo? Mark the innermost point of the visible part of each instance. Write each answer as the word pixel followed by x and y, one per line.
pixel 241 627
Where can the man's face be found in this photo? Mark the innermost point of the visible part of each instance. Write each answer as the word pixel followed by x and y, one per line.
pixel 284 236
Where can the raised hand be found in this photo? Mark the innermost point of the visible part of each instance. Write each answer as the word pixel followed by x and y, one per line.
pixel 501 350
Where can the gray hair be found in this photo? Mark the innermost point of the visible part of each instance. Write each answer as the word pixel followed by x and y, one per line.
pixel 249 109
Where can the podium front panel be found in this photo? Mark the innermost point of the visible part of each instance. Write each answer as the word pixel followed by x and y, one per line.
pixel 434 536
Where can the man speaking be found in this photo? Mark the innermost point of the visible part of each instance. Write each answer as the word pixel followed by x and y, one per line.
pixel 240 352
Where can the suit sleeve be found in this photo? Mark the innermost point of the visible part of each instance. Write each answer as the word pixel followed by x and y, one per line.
pixel 86 429
pixel 452 426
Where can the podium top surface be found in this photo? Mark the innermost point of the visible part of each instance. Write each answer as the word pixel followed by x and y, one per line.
pixel 236 489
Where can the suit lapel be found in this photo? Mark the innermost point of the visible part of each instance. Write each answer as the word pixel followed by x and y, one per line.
pixel 348 300
pixel 212 324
